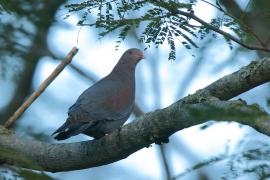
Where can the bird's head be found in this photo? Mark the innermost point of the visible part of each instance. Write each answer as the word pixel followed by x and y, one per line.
pixel 133 55
pixel 128 60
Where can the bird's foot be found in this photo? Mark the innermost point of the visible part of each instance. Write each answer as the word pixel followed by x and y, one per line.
pixel 159 140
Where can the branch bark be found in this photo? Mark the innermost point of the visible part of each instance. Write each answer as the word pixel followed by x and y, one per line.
pixel 160 124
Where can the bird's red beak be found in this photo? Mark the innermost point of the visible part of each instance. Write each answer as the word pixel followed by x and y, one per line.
pixel 140 55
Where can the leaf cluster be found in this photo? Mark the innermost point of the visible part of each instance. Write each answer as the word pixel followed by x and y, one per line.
pixel 253 161
pixel 159 21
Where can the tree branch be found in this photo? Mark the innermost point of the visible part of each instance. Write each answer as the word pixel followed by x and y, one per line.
pixel 189 15
pixel 248 77
pixel 208 25
pixel 132 137
pixel 191 110
pixel 41 88
pixel 225 34
pixel 12 46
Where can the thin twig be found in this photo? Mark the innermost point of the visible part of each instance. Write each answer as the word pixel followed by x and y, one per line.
pixel 124 21
pixel 41 88
pixel 267 41
pixel 191 15
pixel 256 37
pixel 138 113
pixel 91 78
pixel 165 161
pixel 227 35
pixel 211 4
pixel 239 20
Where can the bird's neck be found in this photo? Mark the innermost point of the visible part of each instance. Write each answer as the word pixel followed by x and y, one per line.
pixel 124 71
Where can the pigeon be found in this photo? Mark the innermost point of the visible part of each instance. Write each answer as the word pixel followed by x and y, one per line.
pixel 106 105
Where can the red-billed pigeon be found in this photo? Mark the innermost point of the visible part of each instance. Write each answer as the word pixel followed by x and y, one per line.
pixel 105 106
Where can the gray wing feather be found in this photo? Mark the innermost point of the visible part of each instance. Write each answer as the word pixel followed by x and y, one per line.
pixel 90 104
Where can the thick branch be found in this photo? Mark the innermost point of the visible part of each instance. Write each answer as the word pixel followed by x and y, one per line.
pixel 134 136
pixel 248 77
pixel 153 126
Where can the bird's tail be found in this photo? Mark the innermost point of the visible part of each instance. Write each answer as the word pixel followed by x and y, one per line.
pixel 70 129
pixel 62 131
pixel 61 128
pixel 62 136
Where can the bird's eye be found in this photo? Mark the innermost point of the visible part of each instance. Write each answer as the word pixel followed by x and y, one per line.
pixel 130 52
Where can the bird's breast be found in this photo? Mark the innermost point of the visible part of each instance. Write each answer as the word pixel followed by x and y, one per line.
pixel 125 99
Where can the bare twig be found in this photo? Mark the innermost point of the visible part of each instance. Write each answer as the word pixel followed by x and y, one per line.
pixel 215 6
pixel 267 41
pixel 91 78
pixel 138 112
pixel 165 161
pixel 41 88
pixel 263 44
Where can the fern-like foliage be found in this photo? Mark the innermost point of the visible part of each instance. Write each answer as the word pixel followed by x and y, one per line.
pixel 250 161
pixel 253 161
pixel 160 21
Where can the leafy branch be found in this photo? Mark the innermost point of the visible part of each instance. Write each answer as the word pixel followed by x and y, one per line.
pixel 162 21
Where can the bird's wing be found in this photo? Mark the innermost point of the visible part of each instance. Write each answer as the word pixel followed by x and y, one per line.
pixel 99 102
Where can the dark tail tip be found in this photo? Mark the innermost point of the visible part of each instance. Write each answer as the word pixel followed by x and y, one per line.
pixel 62 136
